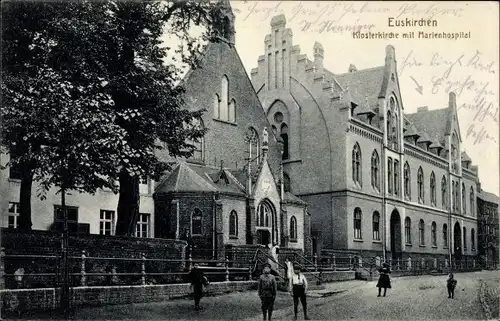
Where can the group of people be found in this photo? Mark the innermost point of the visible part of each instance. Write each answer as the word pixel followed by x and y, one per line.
pixel 297 285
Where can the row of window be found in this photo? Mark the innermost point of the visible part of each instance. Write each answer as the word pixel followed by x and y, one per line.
pixel 408 227
pixel 223 108
pixel 393 187
pixel 107 220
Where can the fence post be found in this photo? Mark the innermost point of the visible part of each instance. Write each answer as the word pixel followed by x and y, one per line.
pixel 390 263
pixel 143 268
pixel 315 258
pixel 190 258
pixel 334 264
pixel 350 262
pixel 227 269
pixel 250 272
pixel 83 279
pixel 2 268
pixel 397 264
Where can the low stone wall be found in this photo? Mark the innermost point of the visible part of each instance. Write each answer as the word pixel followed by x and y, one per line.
pixel 22 300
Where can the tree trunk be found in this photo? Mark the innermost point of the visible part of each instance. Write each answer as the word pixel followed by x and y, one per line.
pixel 128 205
pixel 25 200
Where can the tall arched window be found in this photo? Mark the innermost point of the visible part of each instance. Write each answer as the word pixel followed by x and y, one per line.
pixel 454 153
pixel 233 224
pixel 356 164
pixel 420 183
pixel 388 129
pixel 473 239
pixel 252 137
pixel 433 188
pixel 196 223
pixel 197 143
pixel 421 232
pixel 224 104
pixel 444 195
pixel 376 225
pixel 445 235
pixel 407 179
pixel 395 133
pixel 286 182
pixel 232 111
pixel 457 197
pixel 264 215
pixel 408 230
pixel 434 234
pixel 465 238
pixel 389 176
pixel 293 229
pixel 216 106
pixel 375 170
pixel 472 203
pixel 357 223
pixel 396 177
pixel 284 136
pixel 464 200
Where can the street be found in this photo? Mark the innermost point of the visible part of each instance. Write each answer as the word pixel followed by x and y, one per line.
pixel 411 298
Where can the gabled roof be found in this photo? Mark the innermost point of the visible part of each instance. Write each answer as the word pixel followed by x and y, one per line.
pixel 465 157
pixel 412 131
pixel 489 197
pixel 424 138
pixel 436 144
pixel 433 122
pixel 364 85
pixel 290 198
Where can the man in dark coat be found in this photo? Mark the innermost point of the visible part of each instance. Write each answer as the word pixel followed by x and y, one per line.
pixel 384 281
pixel 198 280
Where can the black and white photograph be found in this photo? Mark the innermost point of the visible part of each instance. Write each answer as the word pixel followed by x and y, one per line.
pixel 249 160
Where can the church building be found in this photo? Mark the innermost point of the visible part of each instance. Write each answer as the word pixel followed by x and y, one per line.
pixel 376 180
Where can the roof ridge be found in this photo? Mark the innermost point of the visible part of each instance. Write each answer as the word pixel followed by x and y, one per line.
pixel 358 71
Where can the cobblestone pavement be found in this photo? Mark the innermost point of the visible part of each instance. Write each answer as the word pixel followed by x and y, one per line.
pixel 490 297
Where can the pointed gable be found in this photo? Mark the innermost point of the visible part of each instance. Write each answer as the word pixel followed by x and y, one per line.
pixel 184 179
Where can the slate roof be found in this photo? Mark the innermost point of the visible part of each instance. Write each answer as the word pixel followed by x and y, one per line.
pixel 290 198
pixel 465 157
pixel 433 122
pixel 364 85
pixel 489 197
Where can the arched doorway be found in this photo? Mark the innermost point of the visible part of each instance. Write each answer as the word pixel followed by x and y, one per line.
pixel 395 230
pixel 266 223
pixel 457 241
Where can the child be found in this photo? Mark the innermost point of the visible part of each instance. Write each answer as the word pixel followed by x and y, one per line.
pixel 298 287
pixel 451 283
pixel 267 291
pixel 198 280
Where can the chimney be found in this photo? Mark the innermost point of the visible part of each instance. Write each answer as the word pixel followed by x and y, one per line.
pixel 352 68
pixel 390 53
pixel 319 54
pixel 452 102
pixel 422 109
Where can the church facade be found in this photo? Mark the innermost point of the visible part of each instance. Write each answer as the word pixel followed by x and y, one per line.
pixel 376 179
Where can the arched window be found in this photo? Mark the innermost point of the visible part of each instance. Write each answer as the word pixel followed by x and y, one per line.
pixel 473 239
pixel 197 143
pixel 464 200
pixel 434 234
pixel 216 106
pixel 293 228
pixel 396 177
pixel 233 224
pixel 465 238
pixel 376 225
pixel 408 230
pixel 265 215
pixel 420 183
pixel 407 179
pixel 375 170
pixel 421 232
pixel 444 195
pixel 457 197
pixel 389 176
pixel 253 144
pixel 433 188
pixel 286 182
pixel 357 223
pixel 196 223
pixel 224 104
pixel 388 128
pixel 445 235
pixel 356 164
pixel 471 201
pixel 454 152
pixel 232 111
pixel 395 132
pixel 284 136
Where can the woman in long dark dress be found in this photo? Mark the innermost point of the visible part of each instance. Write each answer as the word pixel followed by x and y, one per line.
pixel 384 281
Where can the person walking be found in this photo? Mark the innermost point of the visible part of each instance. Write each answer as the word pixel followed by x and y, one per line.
pixel 198 280
pixel 451 283
pixel 267 289
pixel 298 288
pixel 384 281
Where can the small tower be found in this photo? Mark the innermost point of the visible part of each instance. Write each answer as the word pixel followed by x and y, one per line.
pixel 319 54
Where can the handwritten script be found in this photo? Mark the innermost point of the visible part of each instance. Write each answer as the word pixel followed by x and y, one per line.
pixel 340 17
pixel 475 84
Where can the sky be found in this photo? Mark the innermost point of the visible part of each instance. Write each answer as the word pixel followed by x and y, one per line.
pixel 467 66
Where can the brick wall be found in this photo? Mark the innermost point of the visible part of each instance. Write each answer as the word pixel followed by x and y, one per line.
pixel 48 245
pixel 49 298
